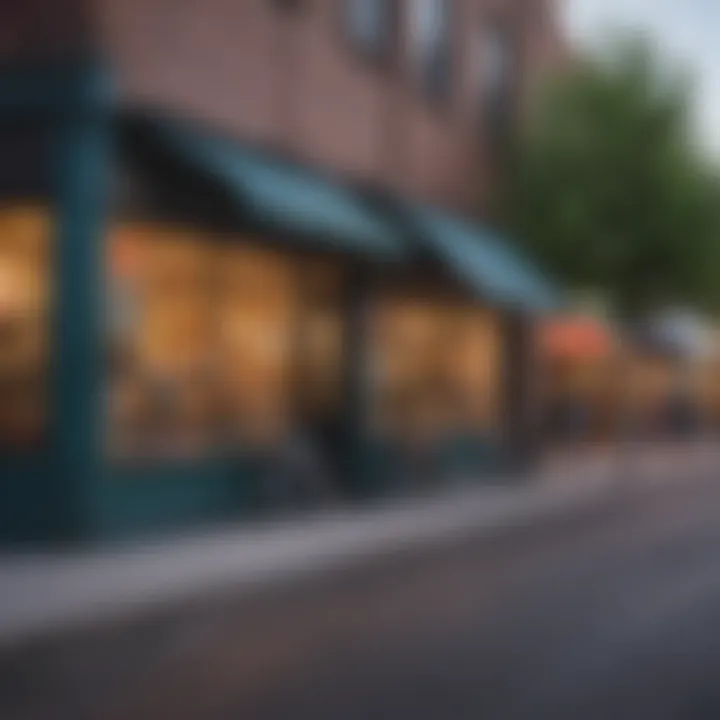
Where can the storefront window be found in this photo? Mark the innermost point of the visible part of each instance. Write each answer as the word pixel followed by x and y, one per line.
pixel 216 344
pixel 24 325
pixel 257 307
pixel 471 366
pixel 404 362
pixel 436 369
pixel 161 340
pixel 26 228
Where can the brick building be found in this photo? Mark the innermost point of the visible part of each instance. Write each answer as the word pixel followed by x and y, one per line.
pixel 235 254
pixel 399 93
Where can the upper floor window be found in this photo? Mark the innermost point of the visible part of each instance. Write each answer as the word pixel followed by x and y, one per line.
pixel 370 25
pixel 290 6
pixel 431 38
pixel 496 70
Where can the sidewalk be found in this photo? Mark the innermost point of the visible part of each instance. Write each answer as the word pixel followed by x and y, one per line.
pixel 652 462
pixel 45 593
pixel 54 592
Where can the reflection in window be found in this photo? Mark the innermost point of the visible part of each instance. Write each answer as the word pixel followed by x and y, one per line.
pixel 24 325
pixel 431 38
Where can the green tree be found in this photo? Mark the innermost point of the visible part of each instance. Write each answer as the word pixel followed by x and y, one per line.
pixel 609 192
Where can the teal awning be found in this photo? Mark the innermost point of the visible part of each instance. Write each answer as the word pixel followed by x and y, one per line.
pixel 303 205
pixel 283 198
pixel 486 264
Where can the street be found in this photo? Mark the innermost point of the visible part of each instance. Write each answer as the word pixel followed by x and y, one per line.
pixel 607 612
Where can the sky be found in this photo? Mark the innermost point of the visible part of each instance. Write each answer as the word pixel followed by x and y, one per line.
pixel 687 29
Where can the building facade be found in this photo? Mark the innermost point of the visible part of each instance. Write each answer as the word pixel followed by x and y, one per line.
pixel 234 233
pixel 398 93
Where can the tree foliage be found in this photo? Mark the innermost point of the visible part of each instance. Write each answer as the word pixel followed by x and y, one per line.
pixel 609 192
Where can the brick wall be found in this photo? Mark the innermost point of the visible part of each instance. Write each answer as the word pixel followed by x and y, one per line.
pixel 290 79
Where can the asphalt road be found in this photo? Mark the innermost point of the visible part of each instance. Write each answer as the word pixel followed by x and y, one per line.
pixel 609 612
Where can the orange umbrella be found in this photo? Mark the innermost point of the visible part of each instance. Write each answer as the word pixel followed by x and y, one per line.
pixel 576 338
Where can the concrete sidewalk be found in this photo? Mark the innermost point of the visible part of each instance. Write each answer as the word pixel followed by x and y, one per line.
pixel 649 462
pixel 46 593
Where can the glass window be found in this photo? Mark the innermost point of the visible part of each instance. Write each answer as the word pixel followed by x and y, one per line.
pixel 431 42
pixel 471 366
pixel 218 344
pixel 24 324
pixel 436 368
pixel 495 70
pixel 370 24
pixel 26 228
pixel 257 304
pixel 405 342
pixel 161 393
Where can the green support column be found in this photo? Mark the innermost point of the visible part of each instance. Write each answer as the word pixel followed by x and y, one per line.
pixel 79 270
pixel 51 493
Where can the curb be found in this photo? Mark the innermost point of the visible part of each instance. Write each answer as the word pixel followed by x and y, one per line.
pixel 44 595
